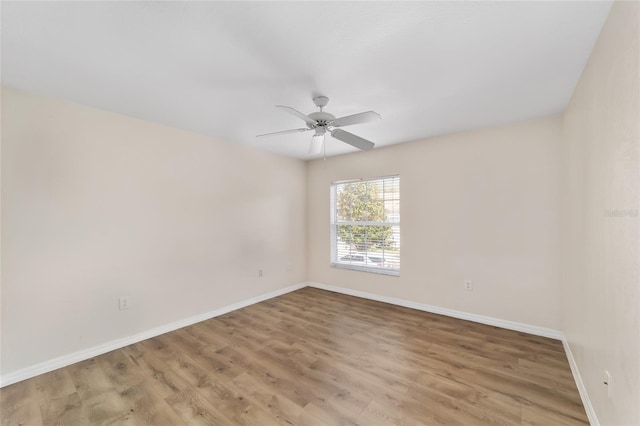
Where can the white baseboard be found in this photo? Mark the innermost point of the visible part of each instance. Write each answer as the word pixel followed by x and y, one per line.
pixel 586 402
pixel 511 325
pixel 65 360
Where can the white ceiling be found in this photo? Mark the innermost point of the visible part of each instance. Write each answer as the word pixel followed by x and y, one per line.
pixel 218 68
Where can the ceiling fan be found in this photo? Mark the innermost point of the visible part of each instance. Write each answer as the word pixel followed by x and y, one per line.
pixel 322 122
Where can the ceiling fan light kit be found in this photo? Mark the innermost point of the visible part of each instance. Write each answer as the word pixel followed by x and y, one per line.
pixel 321 122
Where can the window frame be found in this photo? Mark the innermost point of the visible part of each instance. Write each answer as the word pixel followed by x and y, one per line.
pixel 334 223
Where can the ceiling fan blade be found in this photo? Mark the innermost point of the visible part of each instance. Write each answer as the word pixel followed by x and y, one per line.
pixel 297 113
pixel 316 144
pixel 284 132
pixel 352 139
pixel 363 117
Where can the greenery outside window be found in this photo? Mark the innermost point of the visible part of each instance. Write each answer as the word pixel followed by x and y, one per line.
pixel 365 225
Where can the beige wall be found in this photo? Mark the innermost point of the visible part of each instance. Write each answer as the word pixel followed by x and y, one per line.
pixel 97 205
pixel 481 205
pixel 601 300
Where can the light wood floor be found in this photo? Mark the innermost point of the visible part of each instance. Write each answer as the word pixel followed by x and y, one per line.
pixel 312 357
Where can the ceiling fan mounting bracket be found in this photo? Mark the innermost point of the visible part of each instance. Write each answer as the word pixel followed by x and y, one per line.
pixel 321 101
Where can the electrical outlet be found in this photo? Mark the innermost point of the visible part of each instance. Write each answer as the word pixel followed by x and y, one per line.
pixel 123 302
pixel 259 273
pixel 607 382
pixel 468 285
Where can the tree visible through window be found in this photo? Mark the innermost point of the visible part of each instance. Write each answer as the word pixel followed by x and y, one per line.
pixel 365 225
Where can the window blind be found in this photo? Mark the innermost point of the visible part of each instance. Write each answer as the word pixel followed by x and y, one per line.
pixel 365 225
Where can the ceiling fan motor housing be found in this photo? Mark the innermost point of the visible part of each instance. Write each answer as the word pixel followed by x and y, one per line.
pixel 322 118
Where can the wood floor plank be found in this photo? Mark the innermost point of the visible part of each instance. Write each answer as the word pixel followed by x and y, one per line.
pixel 381 413
pixel 281 409
pixel 54 385
pixel 312 357
pixel 120 370
pixel 106 408
pixel 166 381
pixel 19 404
pixel 90 378
pixel 65 410
pixel 147 407
pixel 194 409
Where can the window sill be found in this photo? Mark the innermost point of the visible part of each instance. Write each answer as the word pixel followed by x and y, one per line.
pixel 380 271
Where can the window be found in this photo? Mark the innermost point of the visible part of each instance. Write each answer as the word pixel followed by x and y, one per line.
pixel 365 225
